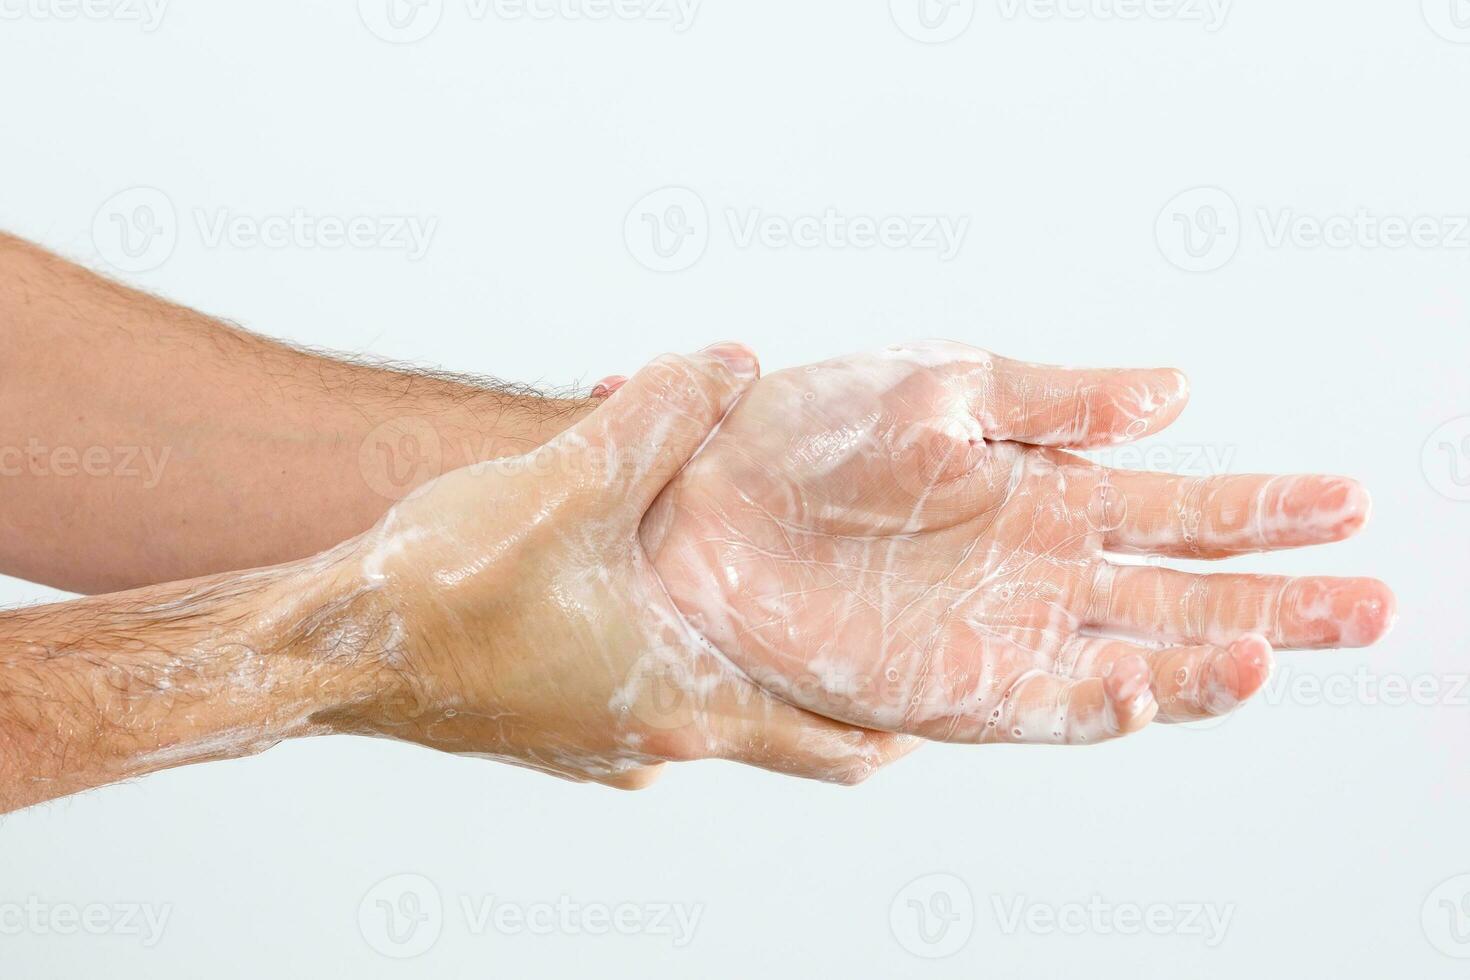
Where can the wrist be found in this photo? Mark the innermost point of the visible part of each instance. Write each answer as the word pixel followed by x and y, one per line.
pixel 339 637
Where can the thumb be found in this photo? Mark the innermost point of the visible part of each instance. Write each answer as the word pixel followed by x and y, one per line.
pixel 648 428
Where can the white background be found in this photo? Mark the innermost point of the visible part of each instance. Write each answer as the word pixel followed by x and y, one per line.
pixel 1323 825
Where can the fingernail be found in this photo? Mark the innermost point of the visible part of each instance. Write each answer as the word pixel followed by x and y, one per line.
pixel 738 358
pixel 1129 681
pixel 1239 674
pixel 608 385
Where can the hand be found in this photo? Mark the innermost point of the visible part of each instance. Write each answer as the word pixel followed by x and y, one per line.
pixel 869 538
pixel 526 624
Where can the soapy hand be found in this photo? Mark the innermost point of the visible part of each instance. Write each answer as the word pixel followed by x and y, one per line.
pixel 524 622
pixel 897 540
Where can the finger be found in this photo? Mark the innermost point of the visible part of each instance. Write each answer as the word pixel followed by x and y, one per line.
pixel 632 779
pixel 1291 613
pixel 788 740
pixel 608 385
pixel 1078 408
pixel 1045 708
pixel 1189 683
pixel 649 427
pixel 1187 517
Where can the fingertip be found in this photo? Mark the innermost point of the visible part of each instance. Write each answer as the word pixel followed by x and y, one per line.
pixel 1180 383
pixel 1359 507
pixel 608 385
pixel 1373 615
pixel 1253 660
pixel 1132 404
pixel 1128 684
pixel 1342 507
pixel 740 360
pixel 1171 396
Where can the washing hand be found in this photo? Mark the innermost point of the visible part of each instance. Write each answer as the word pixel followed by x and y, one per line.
pixel 524 623
pixel 899 541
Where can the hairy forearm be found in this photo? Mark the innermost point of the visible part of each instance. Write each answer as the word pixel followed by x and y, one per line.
pixel 143 442
pixel 110 687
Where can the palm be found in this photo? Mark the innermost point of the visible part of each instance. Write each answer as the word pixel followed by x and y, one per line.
pixel 853 541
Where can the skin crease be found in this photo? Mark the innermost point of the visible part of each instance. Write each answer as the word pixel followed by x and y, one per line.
pixel 870 538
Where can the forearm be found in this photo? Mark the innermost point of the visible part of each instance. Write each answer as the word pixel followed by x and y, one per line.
pixel 143 442
pixel 117 686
